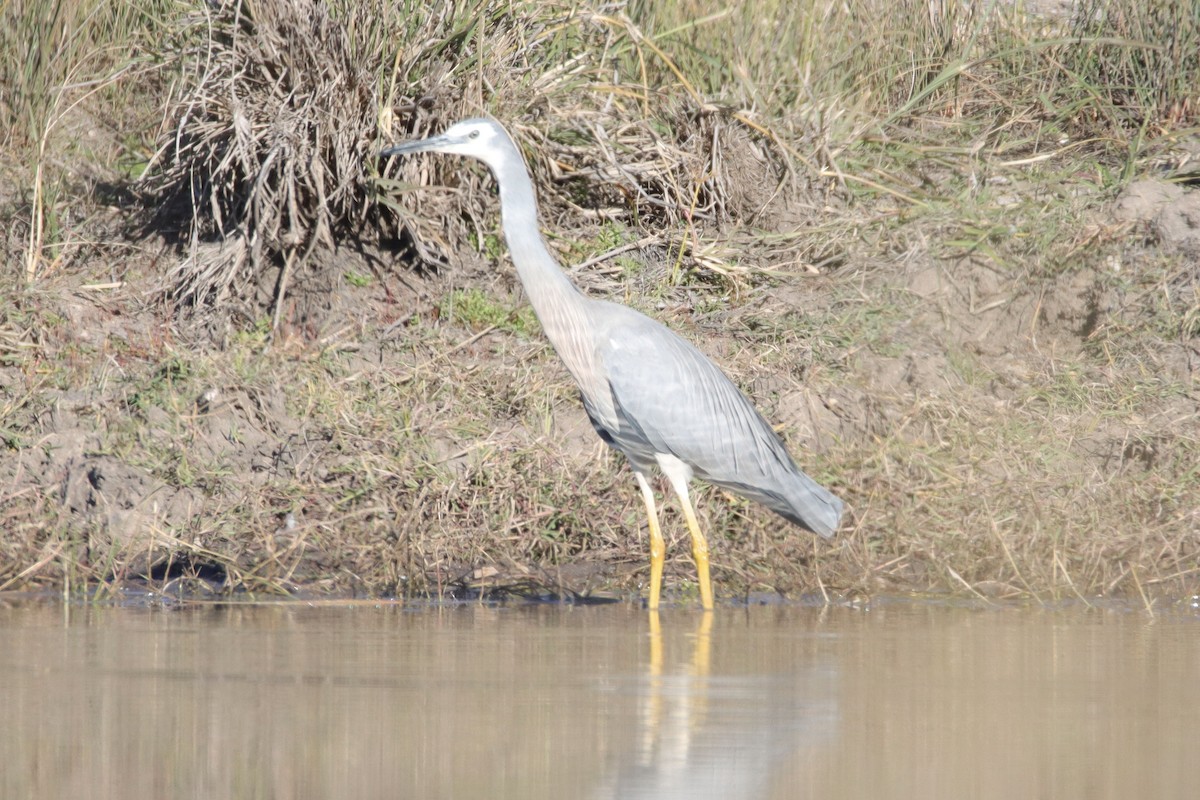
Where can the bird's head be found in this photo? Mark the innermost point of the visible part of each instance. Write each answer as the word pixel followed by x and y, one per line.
pixel 479 138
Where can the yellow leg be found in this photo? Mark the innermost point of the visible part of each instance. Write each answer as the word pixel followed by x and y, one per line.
pixel 679 473
pixel 658 548
pixel 699 550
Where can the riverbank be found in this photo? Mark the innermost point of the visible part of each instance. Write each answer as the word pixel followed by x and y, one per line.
pixel 972 309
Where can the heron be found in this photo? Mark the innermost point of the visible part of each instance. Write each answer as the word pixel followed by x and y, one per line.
pixel 648 392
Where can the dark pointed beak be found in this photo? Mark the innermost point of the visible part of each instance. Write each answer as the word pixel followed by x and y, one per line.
pixel 416 146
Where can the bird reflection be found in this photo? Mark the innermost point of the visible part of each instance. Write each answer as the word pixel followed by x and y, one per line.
pixel 701 735
pixel 687 700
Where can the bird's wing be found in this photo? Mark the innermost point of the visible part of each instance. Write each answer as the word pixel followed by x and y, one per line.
pixel 670 396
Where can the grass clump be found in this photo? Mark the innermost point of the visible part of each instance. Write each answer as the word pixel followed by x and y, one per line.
pixel 283 107
pixel 1140 61
pixel 271 147
pixel 65 65
pixel 475 309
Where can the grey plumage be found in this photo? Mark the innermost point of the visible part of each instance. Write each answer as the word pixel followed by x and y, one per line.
pixel 649 393
pixel 665 396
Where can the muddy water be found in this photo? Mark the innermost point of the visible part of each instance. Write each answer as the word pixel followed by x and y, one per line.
pixel 898 700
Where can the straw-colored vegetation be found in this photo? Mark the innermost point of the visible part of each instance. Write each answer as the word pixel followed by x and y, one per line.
pixel 237 351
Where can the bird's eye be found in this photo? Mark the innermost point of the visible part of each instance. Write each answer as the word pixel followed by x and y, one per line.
pixel 473 135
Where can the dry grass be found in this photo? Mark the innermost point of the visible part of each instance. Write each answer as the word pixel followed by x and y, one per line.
pixel 281 109
pixel 72 74
pixel 269 150
pixel 1028 499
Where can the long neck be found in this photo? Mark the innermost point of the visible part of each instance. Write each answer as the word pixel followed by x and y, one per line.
pixel 560 307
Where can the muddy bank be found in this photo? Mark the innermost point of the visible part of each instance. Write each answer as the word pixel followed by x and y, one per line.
pixel 239 352
pixel 992 431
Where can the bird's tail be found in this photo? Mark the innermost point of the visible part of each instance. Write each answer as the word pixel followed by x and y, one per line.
pixel 797 498
pixel 810 505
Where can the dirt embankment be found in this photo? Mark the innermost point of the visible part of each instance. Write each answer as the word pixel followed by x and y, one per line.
pixel 991 433
pixel 298 368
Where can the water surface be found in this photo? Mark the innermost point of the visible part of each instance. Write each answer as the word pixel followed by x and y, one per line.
pixel 896 699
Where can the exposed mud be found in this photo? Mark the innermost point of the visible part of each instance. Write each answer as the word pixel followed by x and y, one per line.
pixel 373 446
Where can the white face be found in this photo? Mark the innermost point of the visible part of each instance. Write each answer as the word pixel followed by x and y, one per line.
pixel 470 136
pixel 475 138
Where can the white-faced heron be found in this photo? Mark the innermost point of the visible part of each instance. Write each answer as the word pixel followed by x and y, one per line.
pixel 649 393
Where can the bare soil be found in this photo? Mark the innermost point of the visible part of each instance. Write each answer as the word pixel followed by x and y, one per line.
pixel 993 430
